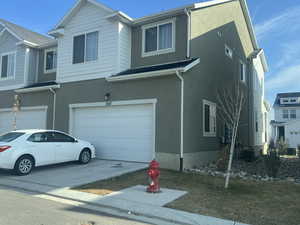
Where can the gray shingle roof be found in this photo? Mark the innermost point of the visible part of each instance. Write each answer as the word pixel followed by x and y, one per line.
pixel 286 95
pixel 172 65
pixel 26 34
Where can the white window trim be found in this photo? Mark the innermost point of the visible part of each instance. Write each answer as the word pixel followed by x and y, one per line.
pixel 244 80
pixel 15 63
pixel 85 34
pixel 288 113
pixel 211 104
pixel 230 54
pixel 45 59
pixel 159 51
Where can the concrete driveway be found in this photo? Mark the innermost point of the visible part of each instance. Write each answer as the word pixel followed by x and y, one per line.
pixel 72 174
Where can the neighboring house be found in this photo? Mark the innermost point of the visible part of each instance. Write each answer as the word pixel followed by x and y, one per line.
pixel 145 88
pixel 287 118
pixel 21 64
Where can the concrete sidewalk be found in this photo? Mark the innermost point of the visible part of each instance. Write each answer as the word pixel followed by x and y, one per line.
pixel 115 205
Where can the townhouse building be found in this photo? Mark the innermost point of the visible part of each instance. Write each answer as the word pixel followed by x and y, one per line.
pixel 137 89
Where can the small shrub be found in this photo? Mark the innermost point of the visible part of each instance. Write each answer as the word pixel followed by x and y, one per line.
pixel 222 162
pixel 272 163
pixel 272 144
pixel 282 146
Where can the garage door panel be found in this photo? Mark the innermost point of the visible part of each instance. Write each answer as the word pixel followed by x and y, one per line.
pixel 118 132
pixel 26 119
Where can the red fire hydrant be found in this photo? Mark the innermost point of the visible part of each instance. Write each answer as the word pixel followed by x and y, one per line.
pixel 153 173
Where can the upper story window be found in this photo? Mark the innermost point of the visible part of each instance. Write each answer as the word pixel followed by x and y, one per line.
pixel 228 51
pixel 285 114
pixel 7 65
pixel 293 114
pixel 85 47
pixel 159 38
pixel 242 70
pixel 289 114
pixel 209 119
pixel 50 60
pixel 289 100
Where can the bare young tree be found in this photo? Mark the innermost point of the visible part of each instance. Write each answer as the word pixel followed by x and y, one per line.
pixel 230 103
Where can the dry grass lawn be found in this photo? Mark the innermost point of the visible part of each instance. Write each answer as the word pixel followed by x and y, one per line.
pixel 252 202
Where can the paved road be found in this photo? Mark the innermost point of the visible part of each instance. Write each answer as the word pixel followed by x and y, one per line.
pixel 17 208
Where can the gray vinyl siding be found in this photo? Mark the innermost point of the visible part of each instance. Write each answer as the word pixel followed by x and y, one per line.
pixel 32 67
pixel 180 44
pixel 215 72
pixel 8 44
pixel 43 98
pixel 44 77
pixel 167 138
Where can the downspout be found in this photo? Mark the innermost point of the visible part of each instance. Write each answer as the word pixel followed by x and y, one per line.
pixel 54 107
pixel 181 118
pixel 188 45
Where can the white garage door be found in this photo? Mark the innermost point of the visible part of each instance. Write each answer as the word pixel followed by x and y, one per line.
pixel 118 132
pixel 27 118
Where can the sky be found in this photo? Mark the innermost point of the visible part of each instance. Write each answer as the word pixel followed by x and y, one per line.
pixel 276 22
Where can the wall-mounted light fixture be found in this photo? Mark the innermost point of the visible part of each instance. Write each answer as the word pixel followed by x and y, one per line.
pixel 107 97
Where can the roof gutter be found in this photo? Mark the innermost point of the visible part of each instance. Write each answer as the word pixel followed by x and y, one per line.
pixel 188 45
pixel 143 75
pixel 36 89
pixel 27 43
pixel 153 73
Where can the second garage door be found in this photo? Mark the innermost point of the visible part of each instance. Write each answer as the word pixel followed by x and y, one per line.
pixel 118 132
pixel 27 118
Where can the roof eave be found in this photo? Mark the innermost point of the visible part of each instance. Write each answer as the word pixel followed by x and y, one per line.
pixel 36 89
pixel 153 73
pixel 162 14
pixel 121 17
pixel 252 34
pixel 77 5
pixel 10 31
pixel 28 43
pixel 180 9
pixel 57 33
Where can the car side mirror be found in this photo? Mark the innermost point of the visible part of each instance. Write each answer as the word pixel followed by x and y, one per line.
pixel 75 141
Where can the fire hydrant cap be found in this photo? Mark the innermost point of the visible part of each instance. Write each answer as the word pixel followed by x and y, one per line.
pixel 154 164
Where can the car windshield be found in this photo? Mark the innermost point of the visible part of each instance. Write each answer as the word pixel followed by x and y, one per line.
pixel 8 137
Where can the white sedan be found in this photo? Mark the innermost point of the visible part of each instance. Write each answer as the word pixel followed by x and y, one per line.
pixel 25 149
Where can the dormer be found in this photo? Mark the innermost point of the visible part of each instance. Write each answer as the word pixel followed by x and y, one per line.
pixel 94 41
pixel 290 101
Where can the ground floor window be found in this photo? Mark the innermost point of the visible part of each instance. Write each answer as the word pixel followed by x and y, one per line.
pixel 209 119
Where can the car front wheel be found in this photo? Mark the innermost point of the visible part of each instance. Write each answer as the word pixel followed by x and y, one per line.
pixel 85 156
pixel 24 165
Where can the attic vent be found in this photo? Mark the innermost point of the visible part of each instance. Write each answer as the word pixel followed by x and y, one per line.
pixel 228 52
